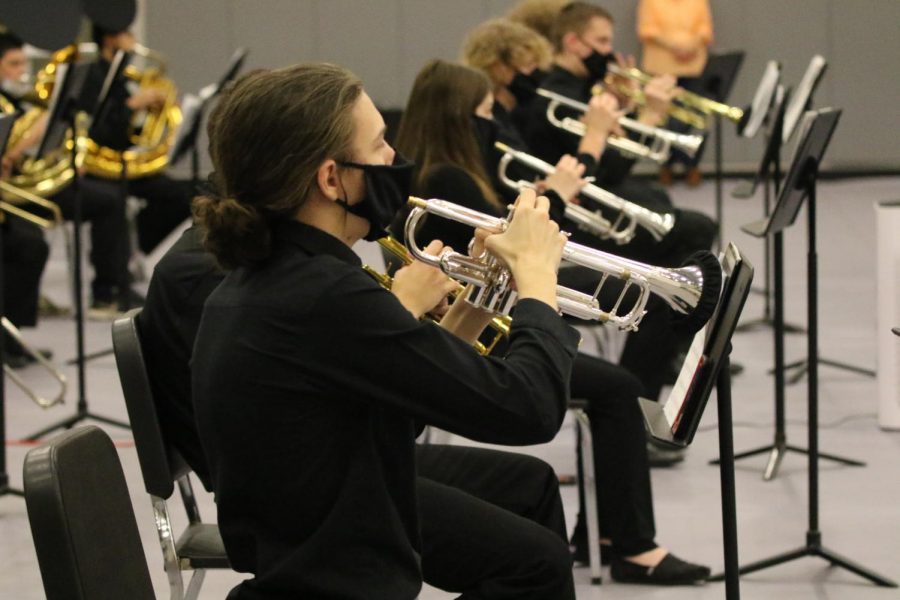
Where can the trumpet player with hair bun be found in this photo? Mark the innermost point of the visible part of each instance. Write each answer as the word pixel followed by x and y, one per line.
pixel 324 376
pixel 448 140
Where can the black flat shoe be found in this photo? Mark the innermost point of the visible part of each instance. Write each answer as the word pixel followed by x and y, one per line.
pixel 671 570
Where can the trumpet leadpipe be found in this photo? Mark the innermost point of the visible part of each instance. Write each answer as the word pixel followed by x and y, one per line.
pixel 629 215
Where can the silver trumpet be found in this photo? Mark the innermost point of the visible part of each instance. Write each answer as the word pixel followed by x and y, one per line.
pixel 621 229
pixel 13 331
pixel 656 143
pixel 690 290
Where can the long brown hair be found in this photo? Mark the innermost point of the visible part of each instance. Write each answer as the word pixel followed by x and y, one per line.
pixel 437 125
pixel 268 135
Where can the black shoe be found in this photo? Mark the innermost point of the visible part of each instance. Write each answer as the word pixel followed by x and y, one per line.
pixel 659 455
pixel 671 570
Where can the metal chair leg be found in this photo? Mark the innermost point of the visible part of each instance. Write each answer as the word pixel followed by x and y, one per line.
pixel 590 493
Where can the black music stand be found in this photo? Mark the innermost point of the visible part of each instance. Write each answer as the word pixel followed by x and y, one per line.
pixel 193 108
pixel 800 185
pixel 802 102
pixel 6 124
pixel 716 82
pixel 63 115
pixel 707 366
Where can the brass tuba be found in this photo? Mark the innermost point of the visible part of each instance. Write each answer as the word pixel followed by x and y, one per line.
pixel 152 132
pixel 46 176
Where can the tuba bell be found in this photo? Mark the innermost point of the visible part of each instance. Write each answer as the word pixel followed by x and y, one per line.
pixel 152 132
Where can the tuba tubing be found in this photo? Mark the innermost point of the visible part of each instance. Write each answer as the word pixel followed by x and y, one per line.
pixel 692 290
pixel 621 230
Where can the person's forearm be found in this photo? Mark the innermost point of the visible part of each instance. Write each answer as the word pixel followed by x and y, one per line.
pixel 592 143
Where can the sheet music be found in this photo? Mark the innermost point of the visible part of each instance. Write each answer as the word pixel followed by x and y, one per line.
pixel 762 100
pixel 801 97
pixel 679 393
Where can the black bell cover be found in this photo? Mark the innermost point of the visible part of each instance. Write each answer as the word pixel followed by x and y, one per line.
pixel 47 24
pixel 111 15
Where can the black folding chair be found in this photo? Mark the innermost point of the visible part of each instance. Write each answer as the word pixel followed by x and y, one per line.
pixel 82 521
pixel 199 547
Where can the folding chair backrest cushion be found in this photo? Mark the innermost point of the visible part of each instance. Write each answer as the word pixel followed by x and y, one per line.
pixel 161 465
pixel 82 521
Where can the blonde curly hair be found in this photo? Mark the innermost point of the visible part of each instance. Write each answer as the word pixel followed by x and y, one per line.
pixel 503 41
pixel 539 15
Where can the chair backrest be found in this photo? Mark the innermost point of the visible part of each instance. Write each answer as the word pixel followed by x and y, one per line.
pixel 161 465
pixel 82 521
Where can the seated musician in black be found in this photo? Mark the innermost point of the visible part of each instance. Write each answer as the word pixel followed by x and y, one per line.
pixel 168 199
pixel 309 378
pixel 526 486
pixel 101 202
pixel 451 167
pixel 583 43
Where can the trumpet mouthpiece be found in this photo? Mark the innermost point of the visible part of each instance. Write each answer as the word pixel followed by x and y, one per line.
pixel 501 147
pixel 417 202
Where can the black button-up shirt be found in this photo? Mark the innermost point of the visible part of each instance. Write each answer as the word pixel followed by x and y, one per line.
pixel 307 379
pixel 550 142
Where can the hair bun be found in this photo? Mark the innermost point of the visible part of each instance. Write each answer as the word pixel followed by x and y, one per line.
pixel 235 232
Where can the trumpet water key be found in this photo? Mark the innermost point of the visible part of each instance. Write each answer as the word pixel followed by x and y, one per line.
pixel 628 214
pixel 693 290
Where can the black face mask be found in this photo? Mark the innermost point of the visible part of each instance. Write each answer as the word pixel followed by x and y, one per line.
pixel 524 87
pixel 387 190
pixel 596 64
pixel 486 131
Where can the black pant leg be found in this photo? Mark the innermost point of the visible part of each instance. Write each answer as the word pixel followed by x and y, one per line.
pixel 103 206
pixel 25 254
pixel 521 484
pixel 483 552
pixel 624 497
pixel 168 205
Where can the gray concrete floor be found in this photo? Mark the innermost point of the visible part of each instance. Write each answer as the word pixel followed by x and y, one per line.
pixel 860 516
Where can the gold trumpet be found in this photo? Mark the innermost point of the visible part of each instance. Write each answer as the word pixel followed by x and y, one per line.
pixel 629 215
pixel 693 290
pixel 655 143
pixel 500 324
pixel 12 330
pixel 152 132
pixel 694 109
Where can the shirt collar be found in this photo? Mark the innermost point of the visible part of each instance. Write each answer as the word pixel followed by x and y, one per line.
pixel 314 241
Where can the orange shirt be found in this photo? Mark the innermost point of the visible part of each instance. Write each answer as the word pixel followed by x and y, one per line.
pixel 682 23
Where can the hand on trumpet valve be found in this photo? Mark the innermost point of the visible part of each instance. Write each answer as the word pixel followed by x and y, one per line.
pixel 623 87
pixel 423 289
pixel 567 179
pixel 659 92
pixel 602 116
pixel 531 247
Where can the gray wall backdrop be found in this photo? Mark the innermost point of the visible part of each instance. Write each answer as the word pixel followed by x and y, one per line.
pixel 387 41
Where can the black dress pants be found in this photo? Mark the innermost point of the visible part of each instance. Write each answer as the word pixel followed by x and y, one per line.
pixel 103 206
pixel 168 205
pixel 24 255
pixel 624 497
pixel 650 350
pixel 492 525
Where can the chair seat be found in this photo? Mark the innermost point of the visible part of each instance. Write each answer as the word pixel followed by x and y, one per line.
pixel 201 547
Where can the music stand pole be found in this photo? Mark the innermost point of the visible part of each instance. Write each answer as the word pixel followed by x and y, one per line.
pixel 718 180
pixel 726 474
pixel 81 412
pixel 5 488
pixel 813 546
